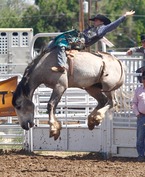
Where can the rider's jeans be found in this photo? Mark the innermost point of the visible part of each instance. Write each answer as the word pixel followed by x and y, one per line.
pixel 61 56
pixel 140 144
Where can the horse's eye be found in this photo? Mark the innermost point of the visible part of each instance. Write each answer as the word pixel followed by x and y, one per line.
pixel 18 107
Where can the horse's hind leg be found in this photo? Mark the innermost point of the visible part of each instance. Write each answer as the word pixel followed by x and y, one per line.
pixel 55 126
pixel 98 113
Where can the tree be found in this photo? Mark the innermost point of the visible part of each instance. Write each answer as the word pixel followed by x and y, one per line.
pixel 128 33
pixel 11 12
pixel 52 16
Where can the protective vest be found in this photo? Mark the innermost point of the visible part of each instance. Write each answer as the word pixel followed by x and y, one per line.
pixel 66 38
pixel 91 36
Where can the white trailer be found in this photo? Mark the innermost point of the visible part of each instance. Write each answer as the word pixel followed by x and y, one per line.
pixel 14 49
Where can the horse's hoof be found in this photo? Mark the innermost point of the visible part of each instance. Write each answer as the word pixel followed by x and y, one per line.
pixel 91 123
pixel 55 134
pixel 97 122
pixel 98 119
pixel 91 126
pixel 31 124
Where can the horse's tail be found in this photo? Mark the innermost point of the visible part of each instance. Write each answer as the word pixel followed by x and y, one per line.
pixel 123 98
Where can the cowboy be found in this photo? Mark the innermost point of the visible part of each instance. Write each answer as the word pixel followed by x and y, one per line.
pixel 139 49
pixel 138 106
pixel 102 25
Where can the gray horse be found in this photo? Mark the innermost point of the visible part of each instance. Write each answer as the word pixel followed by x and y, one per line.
pixel 99 75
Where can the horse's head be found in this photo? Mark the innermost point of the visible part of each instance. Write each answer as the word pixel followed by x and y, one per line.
pixel 24 107
pixel 22 96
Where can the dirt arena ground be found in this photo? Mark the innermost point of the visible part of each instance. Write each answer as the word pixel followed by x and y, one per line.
pixel 61 164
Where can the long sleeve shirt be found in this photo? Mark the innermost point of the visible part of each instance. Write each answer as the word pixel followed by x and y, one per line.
pixel 139 49
pixel 138 102
pixel 92 35
pixel 110 27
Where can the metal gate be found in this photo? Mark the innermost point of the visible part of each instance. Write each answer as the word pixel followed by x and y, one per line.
pixel 123 130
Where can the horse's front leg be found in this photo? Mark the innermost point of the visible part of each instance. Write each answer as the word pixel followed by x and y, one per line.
pixel 55 126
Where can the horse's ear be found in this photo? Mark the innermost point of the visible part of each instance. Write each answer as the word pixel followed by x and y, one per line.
pixel 43 47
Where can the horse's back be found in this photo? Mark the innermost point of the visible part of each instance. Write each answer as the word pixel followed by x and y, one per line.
pixel 87 60
pixel 88 69
pixel 100 67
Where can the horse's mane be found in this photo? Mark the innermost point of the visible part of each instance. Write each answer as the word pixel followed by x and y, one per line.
pixel 23 86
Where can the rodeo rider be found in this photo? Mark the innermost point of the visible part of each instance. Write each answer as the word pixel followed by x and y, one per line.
pixel 102 25
pixel 139 49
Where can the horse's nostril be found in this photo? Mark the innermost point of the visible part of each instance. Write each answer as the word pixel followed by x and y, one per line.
pixel 31 124
pixel 25 126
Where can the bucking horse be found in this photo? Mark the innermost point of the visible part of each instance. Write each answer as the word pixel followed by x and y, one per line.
pixel 99 74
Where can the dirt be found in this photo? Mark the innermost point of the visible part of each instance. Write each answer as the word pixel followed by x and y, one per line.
pixel 61 164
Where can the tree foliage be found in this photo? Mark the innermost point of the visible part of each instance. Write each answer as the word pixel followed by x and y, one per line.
pixel 128 33
pixel 10 13
pixel 52 16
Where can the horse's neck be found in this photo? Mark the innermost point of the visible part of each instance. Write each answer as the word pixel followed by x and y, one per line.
pixel 29 86
pixel 33 87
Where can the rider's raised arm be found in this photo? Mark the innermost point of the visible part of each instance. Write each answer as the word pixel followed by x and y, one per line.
pixel 110 27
